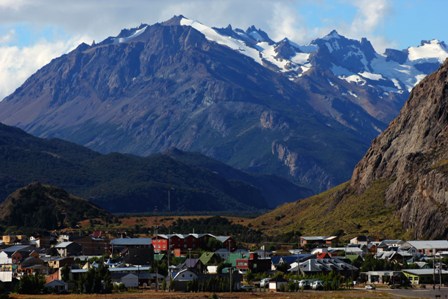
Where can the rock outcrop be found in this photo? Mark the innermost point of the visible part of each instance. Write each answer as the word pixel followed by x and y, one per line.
pixel 413 154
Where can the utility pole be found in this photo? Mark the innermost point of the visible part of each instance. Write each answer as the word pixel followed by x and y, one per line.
pixel 433 269
pixel 230 271
pixel 440 271
pixel 168 263
pixel 169 200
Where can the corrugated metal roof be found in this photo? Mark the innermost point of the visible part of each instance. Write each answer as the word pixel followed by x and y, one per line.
pixel 131 241
pixel 63 244
pixel 429 244
pixel 423 271
pixel 15 248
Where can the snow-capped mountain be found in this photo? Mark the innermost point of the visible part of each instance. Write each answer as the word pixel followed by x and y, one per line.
pixel 306 112
pixel 350 60
pixel 387 77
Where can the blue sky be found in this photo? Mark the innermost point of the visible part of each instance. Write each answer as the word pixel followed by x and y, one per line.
pixel 32 32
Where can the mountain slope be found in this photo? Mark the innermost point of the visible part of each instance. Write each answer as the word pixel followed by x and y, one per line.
pixel 167 85
pixel 124 183
pixel 306 113
pixel 399 188
pixel 40 206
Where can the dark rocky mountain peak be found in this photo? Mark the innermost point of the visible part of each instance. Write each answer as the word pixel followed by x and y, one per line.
pixel 396 55
pixel 352 55
pixel 286 49
pixel 174 21
pixel 258 35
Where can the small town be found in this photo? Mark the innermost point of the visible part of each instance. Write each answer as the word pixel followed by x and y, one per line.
pixel 223 149
pixel 196 262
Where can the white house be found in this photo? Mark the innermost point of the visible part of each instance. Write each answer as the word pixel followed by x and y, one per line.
pixel 185 275
pixel 6 271
pixel 130 280
pixel 426 247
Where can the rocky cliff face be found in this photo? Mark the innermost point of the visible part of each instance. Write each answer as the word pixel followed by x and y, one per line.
pixel 413 154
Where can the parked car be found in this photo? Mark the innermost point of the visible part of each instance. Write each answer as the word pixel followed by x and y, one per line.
pixel 264 283
pixel 305 284
pixel 247 288
pixel 370 287
pixel 317 285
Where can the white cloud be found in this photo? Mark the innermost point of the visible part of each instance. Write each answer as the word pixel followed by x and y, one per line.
pixel 8 37
pixel 371 13
pixel 370 16
pixel 11 4
pixel 17 64
pixel 286 22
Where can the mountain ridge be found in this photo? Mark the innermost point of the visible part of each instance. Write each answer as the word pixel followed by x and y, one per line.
pixel 125 183
pixel 233 95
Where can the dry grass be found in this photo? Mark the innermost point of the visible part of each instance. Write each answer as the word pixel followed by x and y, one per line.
pixel 242 295
pixel 326 213
pixel 126 222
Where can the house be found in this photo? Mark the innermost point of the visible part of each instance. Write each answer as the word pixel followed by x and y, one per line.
pixel 211 261
pixel 59 262
pixel 19 252
pixel 386 245
pixel 223 253
pixel 6 269
pixel 93 245
pixel 33 265
pixel 425 247
pixel 381 277
pixel 57 286
pixel 146 279
pixel 68 249
pixel 11 257
pixel 181 243
pixel 210 258
pixel 234 256
pixel 182 278
pixel 185 277
pixel 121 243
pixel 138 255
pixel 360 241
pixel 396 255
pixel 253 263
pixel 129 280
pixel 288 260
pixel 315 241
pixel 193 264
pixel 227 242
pixel 137 270
pixel 319 266
pixel 425 276
pixel 13 239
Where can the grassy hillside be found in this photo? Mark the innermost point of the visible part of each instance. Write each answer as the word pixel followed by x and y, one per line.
pixel 40 206
pixel 337 211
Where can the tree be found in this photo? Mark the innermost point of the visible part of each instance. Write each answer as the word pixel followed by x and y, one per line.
pixel 31 284
pixel 65 273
